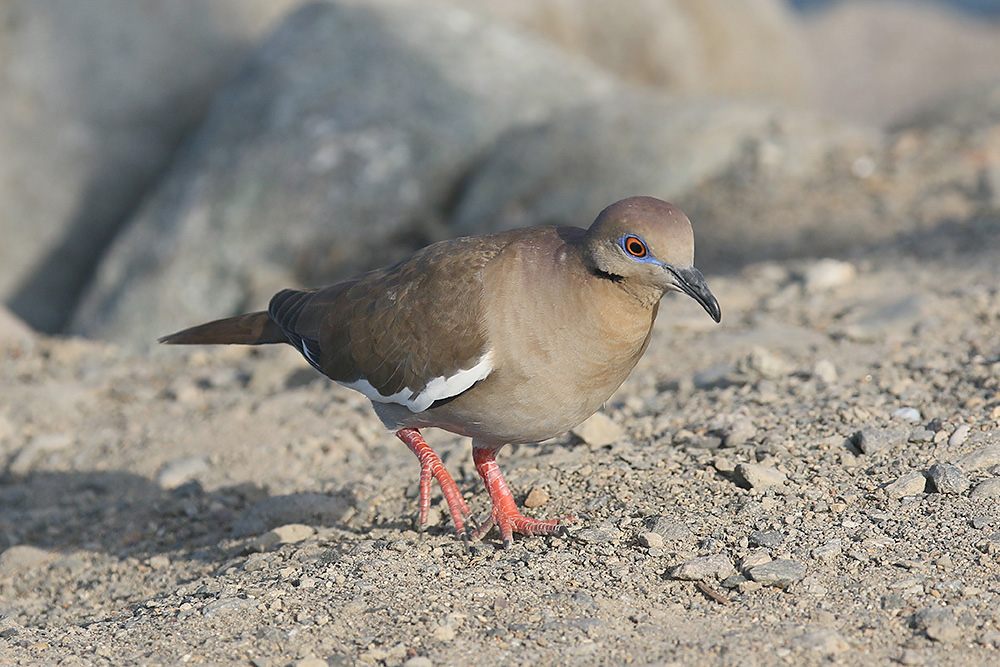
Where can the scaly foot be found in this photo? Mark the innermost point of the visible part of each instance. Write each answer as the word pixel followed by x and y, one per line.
pixel 505 515
pixel 431 466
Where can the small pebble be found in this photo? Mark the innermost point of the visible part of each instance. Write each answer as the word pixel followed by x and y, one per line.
pixel 909 484
pixel 766 538
pixel 947 478
pixel 960 435
pixel 265 542
pixel 311 662
pixel 24 461
pixel 760 477
pixel 177 472
pixel 989 488
pixel 649 539
pixel 444 633
pixel 599 534
pixel 823 617
pixel 322 509
pixel 944 631
pixel 703 441
pixel 159 562
pixel 670 531
pixel 825 371
pixel 827 274
pixel 812 586
pixel 21 557
pixel 292 533
pixel 911 415
pixel 823 640
pixel 225 606
pixel 781 573
pixel 536 497
pixel 256 562
pixel 704 567
pixel 873 322
pixel 871 440
pixel 980 459
pixel 712 376
pixel 724 464
pixel 599 431
pixel 418 661
pixel 923 618
pixel 739 431
pixel 828 550
pixel 944 562
pixel 754 559
pixel 763 362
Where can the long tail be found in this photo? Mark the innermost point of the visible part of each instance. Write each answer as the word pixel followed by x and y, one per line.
pixel 250 329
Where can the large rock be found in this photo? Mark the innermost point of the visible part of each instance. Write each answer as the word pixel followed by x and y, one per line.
pixel 335 149
pixel 759 182
pixel 931 183
pixel 94 96
pixel 699 154
pixel 878 61
pixel 728 47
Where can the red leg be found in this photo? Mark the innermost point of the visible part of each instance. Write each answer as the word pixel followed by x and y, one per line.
pixel 425 493
pixel 431 466
pixel 505 514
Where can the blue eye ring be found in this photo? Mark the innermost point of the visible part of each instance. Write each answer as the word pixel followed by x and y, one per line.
pixel 634 246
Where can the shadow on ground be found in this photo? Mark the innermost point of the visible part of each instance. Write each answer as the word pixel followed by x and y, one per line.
pixel 128 515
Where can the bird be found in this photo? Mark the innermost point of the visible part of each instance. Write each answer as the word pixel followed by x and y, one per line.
pixel 512 337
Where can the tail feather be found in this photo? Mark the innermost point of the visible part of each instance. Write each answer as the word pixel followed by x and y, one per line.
pixel 250 329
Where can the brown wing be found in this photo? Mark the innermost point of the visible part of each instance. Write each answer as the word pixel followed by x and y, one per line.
pixel 397 327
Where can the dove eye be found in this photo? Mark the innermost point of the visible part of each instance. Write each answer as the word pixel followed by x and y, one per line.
pixel 634 246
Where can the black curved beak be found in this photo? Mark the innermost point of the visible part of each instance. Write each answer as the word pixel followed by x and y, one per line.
pixel 691 282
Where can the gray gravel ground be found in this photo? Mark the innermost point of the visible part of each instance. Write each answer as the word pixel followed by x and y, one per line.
pixel 815 481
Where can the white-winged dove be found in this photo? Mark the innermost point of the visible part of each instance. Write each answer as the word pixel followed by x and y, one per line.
pixel 513 337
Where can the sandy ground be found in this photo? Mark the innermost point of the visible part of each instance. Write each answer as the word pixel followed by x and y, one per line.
pixel 229 506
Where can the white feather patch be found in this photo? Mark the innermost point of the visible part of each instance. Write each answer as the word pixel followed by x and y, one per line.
pixel 436 389
pixel 307 354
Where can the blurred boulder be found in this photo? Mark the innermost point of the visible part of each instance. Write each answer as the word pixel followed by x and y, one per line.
pixel 719 47
pixel 362 129
pixel 758 181
pixel 94 96
pixel 335 149
pixel 704 156
pixel 943 162
pixel 876 62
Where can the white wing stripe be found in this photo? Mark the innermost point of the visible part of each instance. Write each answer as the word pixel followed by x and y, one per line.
pixel 306 354
pixel 436 389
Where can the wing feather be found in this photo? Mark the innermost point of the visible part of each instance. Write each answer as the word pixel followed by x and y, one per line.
pixel 411 333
